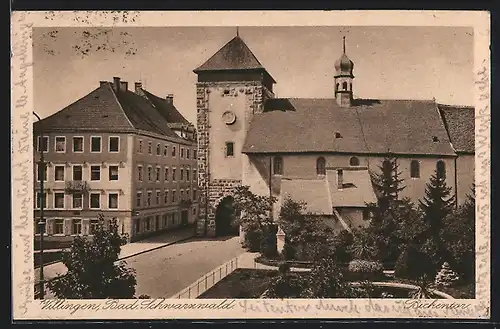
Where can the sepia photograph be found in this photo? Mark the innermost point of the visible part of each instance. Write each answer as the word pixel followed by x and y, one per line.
pixel 244 162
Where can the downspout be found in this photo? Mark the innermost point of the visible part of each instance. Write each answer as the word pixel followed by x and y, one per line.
pixel 456 183
pixel 270 187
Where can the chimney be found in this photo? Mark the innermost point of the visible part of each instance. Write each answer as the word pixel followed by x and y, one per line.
pixel 170 99
pixel 116 84
pixel 123 86
pixel 138 87
pixel 102 83
pixel 340 178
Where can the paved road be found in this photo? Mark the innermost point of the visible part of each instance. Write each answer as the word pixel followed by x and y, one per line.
pixel 165 271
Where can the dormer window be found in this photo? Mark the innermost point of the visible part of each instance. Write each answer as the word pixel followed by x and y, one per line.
pixel 435 139
pixel 338 135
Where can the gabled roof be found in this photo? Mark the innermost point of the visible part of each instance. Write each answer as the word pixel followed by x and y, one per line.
pixel 314 192
pixel 234 55
pixel 460 123
pixel 369 126
pixel 106 110
pixel 166 109
pixel 357 189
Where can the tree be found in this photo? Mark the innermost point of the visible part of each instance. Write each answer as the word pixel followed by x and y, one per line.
pixel 326 280
pixel 256 217
pixel 446 277
pixel 93 271
pixel 387 183
pixel 436 205
pixel 363 246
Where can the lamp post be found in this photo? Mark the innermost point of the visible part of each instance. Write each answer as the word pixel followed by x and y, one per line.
pixel 41 223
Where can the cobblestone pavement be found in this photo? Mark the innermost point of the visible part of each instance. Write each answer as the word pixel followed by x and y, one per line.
pixel 164 272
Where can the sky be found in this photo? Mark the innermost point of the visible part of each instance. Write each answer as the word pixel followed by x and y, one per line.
pixel 389 62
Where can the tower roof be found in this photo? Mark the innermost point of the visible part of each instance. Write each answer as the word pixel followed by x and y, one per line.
pixel 344 66
pixel 234 55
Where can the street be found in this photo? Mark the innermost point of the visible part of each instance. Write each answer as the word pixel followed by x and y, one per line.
pixel 165 271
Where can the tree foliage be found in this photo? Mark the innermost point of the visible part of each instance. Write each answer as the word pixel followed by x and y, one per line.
pixel 255 210
pixel 93 271
pixel 387 183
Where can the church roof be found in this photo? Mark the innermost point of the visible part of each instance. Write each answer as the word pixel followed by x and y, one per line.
pixel 460 123
pixel 104 109
pixel 369 126
pixel 166 109
pixel 356 192
pixel 314 192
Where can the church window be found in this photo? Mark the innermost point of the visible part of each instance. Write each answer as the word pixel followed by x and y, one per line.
pixel 441 169
pixel 354 161
pixel 278 165
pixel 338 135
pixel 229 149
pixel 344 85
pixel 320 166
pixel 338 86
pixel 415 169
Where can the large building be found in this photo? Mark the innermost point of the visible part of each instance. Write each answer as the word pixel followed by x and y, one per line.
pixel 320 151
pixel 124 154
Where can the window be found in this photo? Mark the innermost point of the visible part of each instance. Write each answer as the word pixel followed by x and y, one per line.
pixel 165 174
pixel 182 153
pixel 441 169
pixel 59 226
pixel 165 220
pixel 77 200
pixel 139 173
pixel 150 148
pixel 181 194
pixel 148 223
pixel 39 199
pixel 140 146
pixel 77 226
pixel 157 174
pixel 36 225
pixel 95 172
pixel 182 174
pixel 77 173
pixel 165 197
pixel 58 173
pixel 150 173
pixel 187 175
pixel 137 225
pixel 148 200
pixel 354 161
pixel 61 144
pixel 158 197
pixel 43 146
pixel 138 199
pixel 195 196
pixel 174 196
pixel 194 175
pixel 344 85
pixel 42 172
pixel 173 174
pixel 173 151
pixel 114 144
pixel 113 173
pixel 338 86
pixel 59 200
pixel 158 149
pixel 338 135
pixel 94 224
pixel 95 201
pixel 229 149
pixel 113 200
pixel 77 144
pixel 187 153
pixel 194 154
pixel 278 165
pixel 320 166
pixel 165 150
pixel 194 211
pixel 95 144
pixel 415 169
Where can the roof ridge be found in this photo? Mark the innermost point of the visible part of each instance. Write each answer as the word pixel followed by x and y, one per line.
pixel 120 105
pixel 457 106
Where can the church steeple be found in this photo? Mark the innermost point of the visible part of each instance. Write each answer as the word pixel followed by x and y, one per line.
pixel 343 78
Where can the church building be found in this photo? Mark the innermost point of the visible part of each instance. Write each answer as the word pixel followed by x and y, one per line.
pixel 317 150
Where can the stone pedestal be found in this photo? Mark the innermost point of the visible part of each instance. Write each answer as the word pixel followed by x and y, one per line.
pixel 280 240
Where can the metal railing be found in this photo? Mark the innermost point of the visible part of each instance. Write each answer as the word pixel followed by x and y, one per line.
pixel 208 280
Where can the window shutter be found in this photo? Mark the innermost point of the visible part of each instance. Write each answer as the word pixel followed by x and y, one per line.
pixel 49 226
pixel 67 229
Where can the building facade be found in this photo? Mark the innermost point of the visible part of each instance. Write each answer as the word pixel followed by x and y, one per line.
pixel 114 152
pixel 321 151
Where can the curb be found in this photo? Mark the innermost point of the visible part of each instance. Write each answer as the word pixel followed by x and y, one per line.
pixel 156 248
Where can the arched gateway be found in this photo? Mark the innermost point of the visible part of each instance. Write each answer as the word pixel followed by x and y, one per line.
pixel 226 218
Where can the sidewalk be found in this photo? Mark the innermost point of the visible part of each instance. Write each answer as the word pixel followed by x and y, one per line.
pixel 127 251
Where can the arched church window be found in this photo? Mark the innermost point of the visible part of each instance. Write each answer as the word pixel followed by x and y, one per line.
pixel 415 169
pixel 441 169
pixel 344 85
pixel 278 165
pixel 338 86
pixel 321 166
pixel 354 161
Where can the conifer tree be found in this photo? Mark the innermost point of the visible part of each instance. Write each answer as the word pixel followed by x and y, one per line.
pixel 388 183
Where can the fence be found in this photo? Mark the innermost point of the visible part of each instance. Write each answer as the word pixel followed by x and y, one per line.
pixel 208 280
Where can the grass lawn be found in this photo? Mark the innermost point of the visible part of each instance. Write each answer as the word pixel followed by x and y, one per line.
pixel 242 283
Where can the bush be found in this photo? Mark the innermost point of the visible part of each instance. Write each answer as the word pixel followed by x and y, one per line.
pixel 288 251
pixel 413 264
pixel 361 270
pixel 253 239
pixel 446 277
pixel 268 246
pixel 288 285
